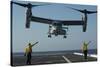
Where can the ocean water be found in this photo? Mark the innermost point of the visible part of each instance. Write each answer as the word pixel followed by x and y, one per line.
pixel 91 51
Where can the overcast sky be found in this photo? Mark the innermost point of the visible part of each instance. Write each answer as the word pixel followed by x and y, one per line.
pixel 38 31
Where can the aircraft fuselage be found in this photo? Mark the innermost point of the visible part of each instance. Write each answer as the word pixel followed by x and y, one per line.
pixel 56 29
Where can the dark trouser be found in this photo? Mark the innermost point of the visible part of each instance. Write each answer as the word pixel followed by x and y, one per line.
pixel 28 58
pixel 85 54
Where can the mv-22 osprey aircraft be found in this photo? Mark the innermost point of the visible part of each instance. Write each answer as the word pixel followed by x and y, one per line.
pixel 55 26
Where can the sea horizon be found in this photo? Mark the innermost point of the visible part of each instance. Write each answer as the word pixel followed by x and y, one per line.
pixel 90 51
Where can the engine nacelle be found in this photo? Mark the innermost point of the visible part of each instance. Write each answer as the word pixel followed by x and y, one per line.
pixel 84 26
pixel 28 19
pixel 84 19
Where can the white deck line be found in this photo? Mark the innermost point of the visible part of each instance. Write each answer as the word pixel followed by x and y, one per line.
pixel 66 59
pixel 90 55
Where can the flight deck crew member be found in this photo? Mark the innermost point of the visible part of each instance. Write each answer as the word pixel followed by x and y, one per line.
pixel 85 49
pixel 28 52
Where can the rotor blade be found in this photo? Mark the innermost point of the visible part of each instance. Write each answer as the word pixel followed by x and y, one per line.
pixel 76 9
pixel 39 5
pixel 91 12
pixel 20 4
pixel 84 11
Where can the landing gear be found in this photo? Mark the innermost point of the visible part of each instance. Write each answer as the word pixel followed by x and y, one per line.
pixel 56 34
pixel 65 36
pixel 49 36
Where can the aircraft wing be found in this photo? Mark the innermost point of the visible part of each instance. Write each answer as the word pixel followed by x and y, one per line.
pixel 72 22
pixel 50 21
pixel 41 20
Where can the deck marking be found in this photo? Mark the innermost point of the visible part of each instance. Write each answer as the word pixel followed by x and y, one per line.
pixel 66 59
pixel 90 55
